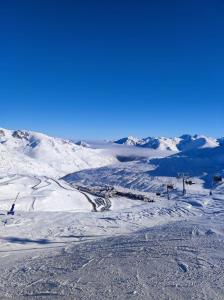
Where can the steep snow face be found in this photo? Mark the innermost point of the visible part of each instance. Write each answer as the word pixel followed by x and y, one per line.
pixel 27 152
pixel 204 163
pixel 221 141
pixel 188 142
pixel 161 143
pixel 184 143
pixel 129 141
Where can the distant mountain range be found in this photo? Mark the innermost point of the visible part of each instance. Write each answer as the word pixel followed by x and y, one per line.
pixel 183 143
pixel 27 152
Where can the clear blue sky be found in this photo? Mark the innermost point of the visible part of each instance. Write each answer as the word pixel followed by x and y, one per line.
pixel 107 69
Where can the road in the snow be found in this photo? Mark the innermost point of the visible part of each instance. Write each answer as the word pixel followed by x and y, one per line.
pixel 34 190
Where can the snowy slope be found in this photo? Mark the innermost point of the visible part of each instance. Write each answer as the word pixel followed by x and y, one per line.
pixel 203 163
pixel 40 194
pixel 151 174
pixel 188 142
pixel 55 246
pixel 26 152
pixel 161 143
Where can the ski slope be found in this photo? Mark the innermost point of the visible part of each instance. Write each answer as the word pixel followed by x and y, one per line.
pixel 65 241
pixel 149 250
pixel 37 194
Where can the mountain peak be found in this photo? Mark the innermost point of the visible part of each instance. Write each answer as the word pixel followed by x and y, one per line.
pixel 183 143
pixel 28 152
pixel 129 141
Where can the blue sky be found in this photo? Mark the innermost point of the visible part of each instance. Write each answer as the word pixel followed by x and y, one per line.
pixel 107 69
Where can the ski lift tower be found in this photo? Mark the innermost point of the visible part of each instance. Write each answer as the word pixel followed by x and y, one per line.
pixel 169 187
pixel 184 177
pixel 216 179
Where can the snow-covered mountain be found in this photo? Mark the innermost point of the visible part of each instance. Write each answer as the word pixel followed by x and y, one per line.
pixel 183 143
pixel 150 174
pixel 129 141
pixel 188 142
pixel 221 141
pixel 83 144
pixel 26 152
pixel 161 143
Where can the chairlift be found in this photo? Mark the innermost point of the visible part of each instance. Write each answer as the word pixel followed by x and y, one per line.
pixel 189 182
pixel 170 186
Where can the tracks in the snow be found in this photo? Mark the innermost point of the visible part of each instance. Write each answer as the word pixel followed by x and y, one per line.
pixel 97 203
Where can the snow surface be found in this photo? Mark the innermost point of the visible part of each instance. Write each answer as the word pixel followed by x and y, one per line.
pixel 56 247
pixel 35 153
pixel 183 143
pixel 151 174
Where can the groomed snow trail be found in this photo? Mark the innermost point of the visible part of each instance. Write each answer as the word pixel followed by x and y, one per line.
pixel 53 249
pixel 176 261
pixel 41 194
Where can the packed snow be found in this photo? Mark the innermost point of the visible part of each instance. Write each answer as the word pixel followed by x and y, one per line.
pixel 97 221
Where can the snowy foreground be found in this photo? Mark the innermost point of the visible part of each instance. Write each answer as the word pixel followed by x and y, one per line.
pixel 163 250
pixel 65 242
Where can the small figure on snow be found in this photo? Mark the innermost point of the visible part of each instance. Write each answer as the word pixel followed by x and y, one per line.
pixel 11 211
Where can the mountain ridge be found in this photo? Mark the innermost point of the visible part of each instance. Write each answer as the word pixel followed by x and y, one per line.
pixel 177 144
pixel 28 152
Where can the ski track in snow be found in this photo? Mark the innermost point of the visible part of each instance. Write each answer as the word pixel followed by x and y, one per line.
pixel 37 218
pixel 112 254
pixel 171 263
pixel 57 246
